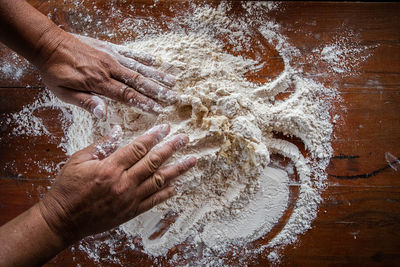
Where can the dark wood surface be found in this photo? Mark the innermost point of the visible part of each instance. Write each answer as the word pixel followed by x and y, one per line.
pixel 359 219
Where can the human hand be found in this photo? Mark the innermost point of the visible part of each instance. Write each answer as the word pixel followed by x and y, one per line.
pixel 80 67
pixel 100 188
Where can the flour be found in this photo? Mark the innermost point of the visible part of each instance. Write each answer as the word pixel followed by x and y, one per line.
pixel 232 196
pixel 344 54
pixel 28 124
pixel 13 67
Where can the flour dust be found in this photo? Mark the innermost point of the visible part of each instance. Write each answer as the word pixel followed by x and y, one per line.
pixel 233 196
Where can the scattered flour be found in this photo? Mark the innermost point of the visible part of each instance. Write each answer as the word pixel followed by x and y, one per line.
pixel 13 66
pixel 345 54
pixel 233 196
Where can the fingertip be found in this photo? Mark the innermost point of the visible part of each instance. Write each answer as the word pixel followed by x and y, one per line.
pixel 99 111
pixel 169 80
pixel 178 141
pixel 170 97
pixel 165 129
pixel 190 161
pixel 160 131
pixel 183 139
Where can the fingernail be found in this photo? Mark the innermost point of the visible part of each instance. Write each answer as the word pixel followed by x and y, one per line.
pixel 100 110
pixel 169 79
pixel 181 141
pixel 189 161
pixel 162 131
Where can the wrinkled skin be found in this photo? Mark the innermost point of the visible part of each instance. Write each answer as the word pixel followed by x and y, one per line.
pixel 79 67
pixel 92 195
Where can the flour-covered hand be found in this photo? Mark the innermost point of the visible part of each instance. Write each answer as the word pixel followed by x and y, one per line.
pixel 77 71
pixel 93 194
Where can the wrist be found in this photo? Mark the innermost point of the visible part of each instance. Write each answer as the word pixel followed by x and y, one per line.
pixel 50 39
pixel 55 242
pixel 53 212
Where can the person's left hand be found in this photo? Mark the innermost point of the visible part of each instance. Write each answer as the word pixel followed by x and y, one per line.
pixel 80 68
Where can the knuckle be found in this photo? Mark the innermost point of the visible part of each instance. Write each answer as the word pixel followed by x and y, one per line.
pixel 138 150
pixel 134 78
pixel 99 79
pixel 88 104
pixel 108 169
pixel 158 180
pixel 108 173
pixel 103 77
pixel 129 77
pixel 127 93
pixel 170 192
pixel 154 161
pixel 120 190
pixel 155 200
pixel 182 167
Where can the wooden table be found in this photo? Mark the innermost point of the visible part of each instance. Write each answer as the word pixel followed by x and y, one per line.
pixel 359 219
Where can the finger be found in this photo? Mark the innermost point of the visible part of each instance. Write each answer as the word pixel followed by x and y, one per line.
pixel 143 58
pixel 130 59
pixel 89 102
pixel 155 158
pixel 103 147
pixel 146 71
pixel 135 151
pixel 98 44
pixel 143 85
pixel 108 145
pixel 118 49
pixel 164 176
pixel 156 199
pixel 123 93
pixel 100 109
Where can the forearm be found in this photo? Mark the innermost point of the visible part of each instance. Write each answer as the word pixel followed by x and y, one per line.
pixel 27 31
pixel 28 241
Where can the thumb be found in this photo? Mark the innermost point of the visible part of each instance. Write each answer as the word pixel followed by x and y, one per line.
pixel 103 147
pixel 98 107
pixel 107 145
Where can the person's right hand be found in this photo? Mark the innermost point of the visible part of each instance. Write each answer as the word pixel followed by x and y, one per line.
pixel 100 188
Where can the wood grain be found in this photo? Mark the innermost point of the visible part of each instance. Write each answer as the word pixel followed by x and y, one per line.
pixel 358 222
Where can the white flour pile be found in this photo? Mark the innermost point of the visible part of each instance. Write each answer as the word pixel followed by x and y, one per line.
pixel 232 196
